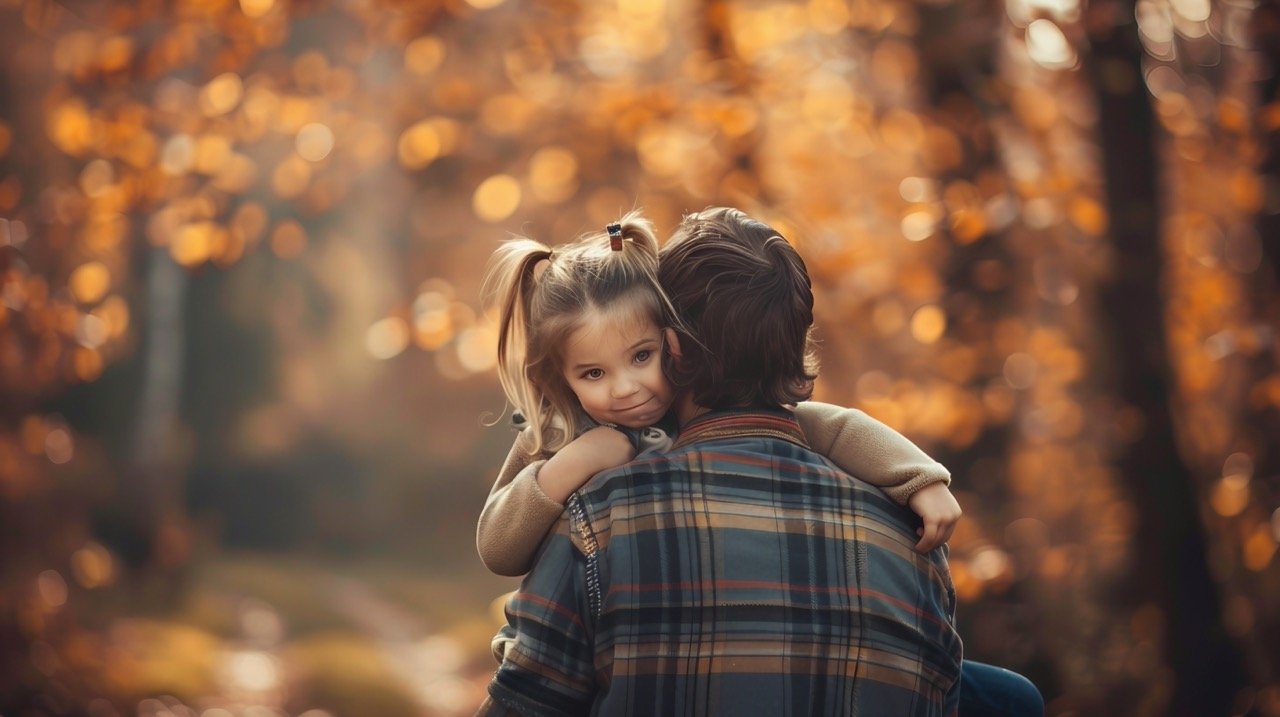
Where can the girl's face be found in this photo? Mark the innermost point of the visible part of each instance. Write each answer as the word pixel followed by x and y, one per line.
pixel 613 363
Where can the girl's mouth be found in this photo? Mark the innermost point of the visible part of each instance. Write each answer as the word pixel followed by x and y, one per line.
pixel 636 407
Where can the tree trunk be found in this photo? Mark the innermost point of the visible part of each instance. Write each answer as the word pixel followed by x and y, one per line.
pixel 1261 420
pixel 153 489
pixel 1171 566
pixel 162 376
pixel 957 44
pixel 1265 25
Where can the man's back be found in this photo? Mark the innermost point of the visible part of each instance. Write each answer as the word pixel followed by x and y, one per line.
pixel 741 574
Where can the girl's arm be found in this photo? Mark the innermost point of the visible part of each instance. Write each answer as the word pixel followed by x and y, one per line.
pixel 875 453
pixel 517 513
pixel 528 497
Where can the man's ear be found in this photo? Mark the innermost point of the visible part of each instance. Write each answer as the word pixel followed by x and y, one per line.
pixel 673 343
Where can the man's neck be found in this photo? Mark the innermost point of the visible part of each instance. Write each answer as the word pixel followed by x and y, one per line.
pixel 687 410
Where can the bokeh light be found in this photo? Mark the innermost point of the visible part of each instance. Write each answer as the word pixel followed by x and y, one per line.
pixel 496 198
pixel 387 338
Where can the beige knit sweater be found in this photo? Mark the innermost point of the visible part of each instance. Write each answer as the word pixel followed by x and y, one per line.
pixel 517 514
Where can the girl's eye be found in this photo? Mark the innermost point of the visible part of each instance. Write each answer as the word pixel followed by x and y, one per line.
pixel 593 374
pixel 642 356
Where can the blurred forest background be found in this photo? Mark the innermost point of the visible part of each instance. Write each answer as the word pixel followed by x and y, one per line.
pixel 245 373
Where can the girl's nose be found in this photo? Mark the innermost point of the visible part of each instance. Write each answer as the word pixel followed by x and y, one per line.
pixel 624 386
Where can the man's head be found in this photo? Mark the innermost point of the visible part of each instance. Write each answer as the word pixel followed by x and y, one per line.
pixel 744 296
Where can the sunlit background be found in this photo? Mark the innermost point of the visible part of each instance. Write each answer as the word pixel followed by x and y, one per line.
pixel 246 380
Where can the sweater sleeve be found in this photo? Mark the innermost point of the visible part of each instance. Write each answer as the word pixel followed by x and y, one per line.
pixel 517 514
pixel 869 450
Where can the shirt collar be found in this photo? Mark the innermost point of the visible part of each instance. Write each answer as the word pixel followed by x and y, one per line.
pixel 739 423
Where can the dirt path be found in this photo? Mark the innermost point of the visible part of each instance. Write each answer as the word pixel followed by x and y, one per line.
pixel 430 665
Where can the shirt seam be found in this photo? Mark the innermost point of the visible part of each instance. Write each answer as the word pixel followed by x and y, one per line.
pixel 590 551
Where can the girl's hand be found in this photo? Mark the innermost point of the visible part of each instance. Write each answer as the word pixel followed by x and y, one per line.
pixel 602 448
pixel 940 512
pixel 599 449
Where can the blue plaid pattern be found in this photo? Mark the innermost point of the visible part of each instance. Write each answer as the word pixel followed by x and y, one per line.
pixel 740 573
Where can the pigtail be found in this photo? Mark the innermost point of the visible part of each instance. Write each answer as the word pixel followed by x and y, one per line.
pixel 638 233
pixel 641 254
pixel 509 282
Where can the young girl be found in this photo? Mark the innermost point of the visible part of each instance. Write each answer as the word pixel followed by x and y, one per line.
pixel 580 357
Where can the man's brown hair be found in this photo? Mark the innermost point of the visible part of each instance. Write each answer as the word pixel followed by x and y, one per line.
pixel 744 296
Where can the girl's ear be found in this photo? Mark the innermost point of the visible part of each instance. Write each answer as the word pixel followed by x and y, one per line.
pixel 673 343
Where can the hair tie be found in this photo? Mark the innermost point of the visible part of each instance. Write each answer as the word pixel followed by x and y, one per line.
pixel 615 236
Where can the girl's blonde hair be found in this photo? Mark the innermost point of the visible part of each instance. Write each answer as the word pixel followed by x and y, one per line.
pixel 539 308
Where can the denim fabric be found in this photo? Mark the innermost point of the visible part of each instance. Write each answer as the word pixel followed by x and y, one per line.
pixel 990 691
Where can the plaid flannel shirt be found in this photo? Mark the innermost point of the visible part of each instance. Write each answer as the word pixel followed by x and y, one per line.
pixel 739 573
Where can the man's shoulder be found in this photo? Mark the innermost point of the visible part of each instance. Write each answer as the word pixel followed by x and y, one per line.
pixel 812 478
pixel 589 510
pixel 736 458
pixel 645 471
pixel 617 483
